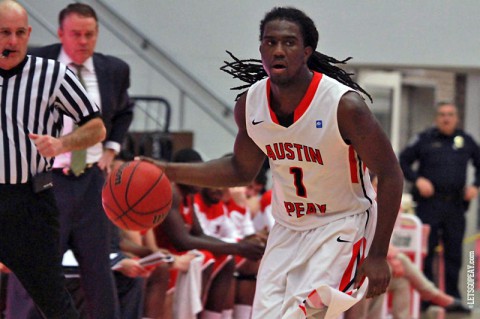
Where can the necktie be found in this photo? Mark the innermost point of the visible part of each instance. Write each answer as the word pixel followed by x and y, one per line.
pixel 78 159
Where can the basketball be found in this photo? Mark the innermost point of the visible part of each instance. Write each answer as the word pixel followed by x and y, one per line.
pixel 137 196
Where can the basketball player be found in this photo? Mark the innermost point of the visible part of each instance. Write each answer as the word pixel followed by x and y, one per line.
pixel 215 216
pixel 321 140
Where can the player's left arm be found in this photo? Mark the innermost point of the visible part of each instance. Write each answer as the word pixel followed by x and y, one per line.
pixel 360 128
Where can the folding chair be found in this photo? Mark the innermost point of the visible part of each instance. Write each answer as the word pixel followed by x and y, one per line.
pixel 408 237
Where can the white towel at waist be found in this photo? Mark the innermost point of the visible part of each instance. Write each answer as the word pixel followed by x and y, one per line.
pixel 335 302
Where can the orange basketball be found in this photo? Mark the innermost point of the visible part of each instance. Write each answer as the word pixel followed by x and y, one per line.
pixel 137 195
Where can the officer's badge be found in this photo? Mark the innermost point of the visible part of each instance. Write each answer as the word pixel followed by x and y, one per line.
pixel 458 142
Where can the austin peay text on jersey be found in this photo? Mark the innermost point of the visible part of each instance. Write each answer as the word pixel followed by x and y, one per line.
pixel 293 151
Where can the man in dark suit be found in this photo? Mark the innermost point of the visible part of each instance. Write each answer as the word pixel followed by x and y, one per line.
pixel 84 225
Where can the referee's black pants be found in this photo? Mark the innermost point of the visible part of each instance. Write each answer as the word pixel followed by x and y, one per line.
pixel 29 246
pixel 447 223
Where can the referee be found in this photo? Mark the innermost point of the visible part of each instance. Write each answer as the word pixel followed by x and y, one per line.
pixel 34 95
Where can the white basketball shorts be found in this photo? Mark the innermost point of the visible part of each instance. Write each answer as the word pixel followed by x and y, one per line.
pixel 297 263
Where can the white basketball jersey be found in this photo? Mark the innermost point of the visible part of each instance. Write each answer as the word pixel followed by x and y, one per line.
pixel 317 177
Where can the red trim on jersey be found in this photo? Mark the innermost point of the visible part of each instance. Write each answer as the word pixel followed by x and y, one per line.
pixel 233 206
pixel 307 99
pixel 304 103
pixel 352 158
pixel 303 308
pixel 358 249
pixel 315 300
pixel 266 200
pixel 273 116
pixel 212 211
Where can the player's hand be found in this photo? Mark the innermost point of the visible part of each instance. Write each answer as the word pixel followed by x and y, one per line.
pixel 4 269
pixel 132 268
pixel 161 164
pixel 47 146
pixel 258 238
pixel 249 249
pixel 471 192
pixel 378 273
pixel 425 187
pixel 106 160
pixel 182 262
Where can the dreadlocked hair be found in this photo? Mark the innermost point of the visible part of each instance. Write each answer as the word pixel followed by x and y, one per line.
pixel 248 71
pixel 251 71
pixel 322 63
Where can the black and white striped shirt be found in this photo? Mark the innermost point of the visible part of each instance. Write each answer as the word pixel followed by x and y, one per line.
pixel 34 95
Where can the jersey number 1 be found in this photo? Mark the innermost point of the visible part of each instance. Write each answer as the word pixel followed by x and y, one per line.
pixel 297 173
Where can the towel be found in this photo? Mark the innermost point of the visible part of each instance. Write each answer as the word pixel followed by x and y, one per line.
pixel 335 302
pixel 187 299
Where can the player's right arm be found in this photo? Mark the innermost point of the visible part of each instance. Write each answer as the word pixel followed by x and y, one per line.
pixel 238 169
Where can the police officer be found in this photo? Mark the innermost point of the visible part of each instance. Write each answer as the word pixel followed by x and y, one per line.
pixel 439 188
